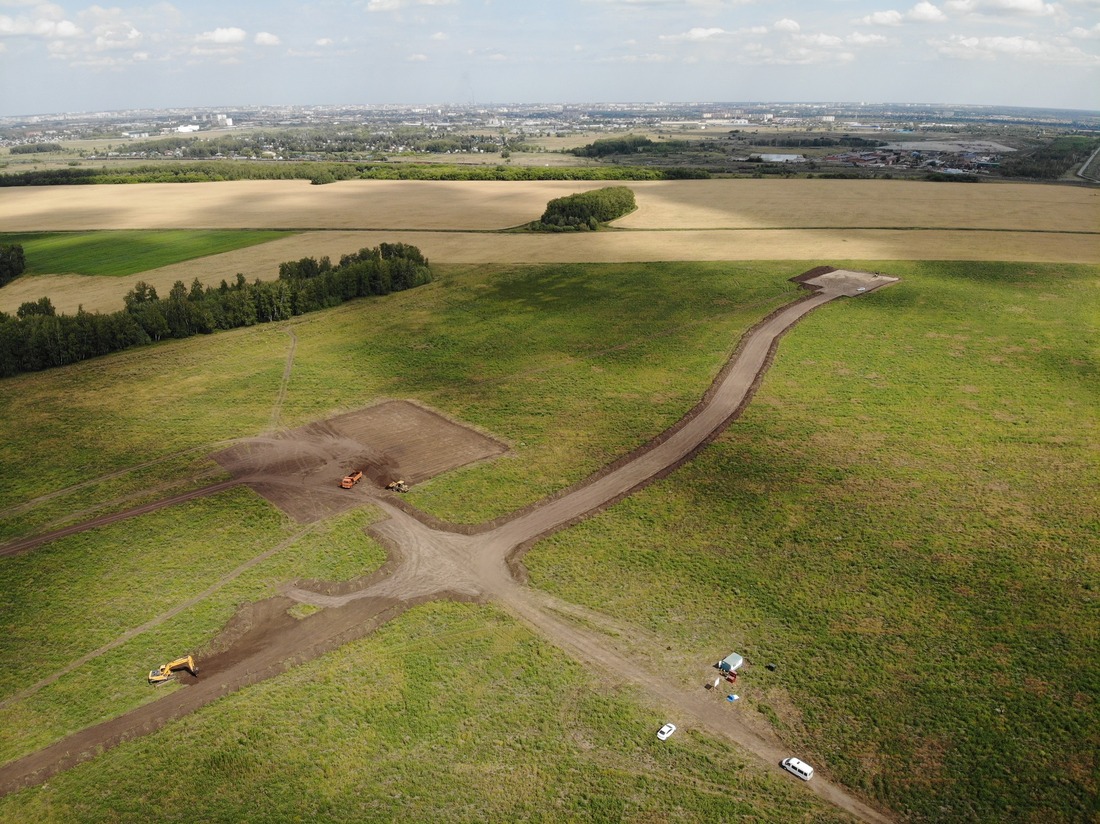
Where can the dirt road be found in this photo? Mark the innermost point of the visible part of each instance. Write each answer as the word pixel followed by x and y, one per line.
pixel 431 561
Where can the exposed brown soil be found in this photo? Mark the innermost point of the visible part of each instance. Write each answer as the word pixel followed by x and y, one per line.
pixel 299 471
pixel 428 560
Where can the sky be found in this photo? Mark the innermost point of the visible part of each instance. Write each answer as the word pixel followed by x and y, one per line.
pixel 76 57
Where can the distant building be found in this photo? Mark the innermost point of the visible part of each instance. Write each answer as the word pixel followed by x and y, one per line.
pixel 187 128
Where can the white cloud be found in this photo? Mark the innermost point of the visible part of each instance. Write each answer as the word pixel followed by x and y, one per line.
pixel 882 18
pixel 804 56
pixel 397 5
pixel 861 39
pixel 266 38
pixel 1025 48
pixel 440 35
pixel 696 34
pixel 821 41
pixel 1023 8
pixel 417 58
pixel 787 25
pixel 923 12
pixel 1079 33
pixel 323 41
pixel 44 27
pixel 118 39
pixel 224 36
pixel 636 58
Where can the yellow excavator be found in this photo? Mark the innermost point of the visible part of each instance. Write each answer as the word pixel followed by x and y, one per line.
pixel 397 486
pixel 165 671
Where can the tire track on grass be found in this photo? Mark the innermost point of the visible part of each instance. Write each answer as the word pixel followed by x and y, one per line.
pixel 26 544
pixel 280 397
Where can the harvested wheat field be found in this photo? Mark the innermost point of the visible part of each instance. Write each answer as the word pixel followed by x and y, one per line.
pixel 289 204
pixel 452 222
pixel 484 205
pixel 806 204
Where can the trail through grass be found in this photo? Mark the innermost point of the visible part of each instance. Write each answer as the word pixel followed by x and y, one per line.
pixel 905 520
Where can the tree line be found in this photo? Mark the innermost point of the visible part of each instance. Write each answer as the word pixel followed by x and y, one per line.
pixel 317 172
pixel 38 338
pixel 350 141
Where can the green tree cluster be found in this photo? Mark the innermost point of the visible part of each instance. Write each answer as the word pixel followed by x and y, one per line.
pixel 38 338
pixel 12 262
pixel 630 144
pixel 36 148
pixel 586 210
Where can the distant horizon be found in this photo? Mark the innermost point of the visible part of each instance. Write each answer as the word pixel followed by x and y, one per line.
pixel 551 103
pixel 61 56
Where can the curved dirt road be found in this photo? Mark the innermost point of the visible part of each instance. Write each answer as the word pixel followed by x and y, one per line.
pixel 429 562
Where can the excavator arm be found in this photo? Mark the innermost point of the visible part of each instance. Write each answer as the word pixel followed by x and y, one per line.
pixel 164 672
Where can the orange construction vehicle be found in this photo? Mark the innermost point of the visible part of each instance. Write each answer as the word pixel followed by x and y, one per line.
pixel 351 479
pixel 165 671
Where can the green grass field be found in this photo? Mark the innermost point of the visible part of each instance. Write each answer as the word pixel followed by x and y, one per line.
pixel 904 521
pixel 117 253
pixel 452 712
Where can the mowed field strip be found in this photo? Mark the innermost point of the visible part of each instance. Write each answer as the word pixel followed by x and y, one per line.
pixel 456 222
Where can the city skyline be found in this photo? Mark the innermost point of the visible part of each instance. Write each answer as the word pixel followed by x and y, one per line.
pixel 74 56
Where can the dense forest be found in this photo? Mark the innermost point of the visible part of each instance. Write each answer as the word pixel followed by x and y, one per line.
pixel 1052 160
pixel 39 338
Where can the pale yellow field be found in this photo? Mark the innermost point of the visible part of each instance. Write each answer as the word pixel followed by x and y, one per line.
pixel 817 221
pixel 473 205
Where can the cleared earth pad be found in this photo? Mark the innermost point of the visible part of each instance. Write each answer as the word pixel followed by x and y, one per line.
pixel 300 470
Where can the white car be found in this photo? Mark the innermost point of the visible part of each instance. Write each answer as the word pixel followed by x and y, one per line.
pixel 799 768
pixel 666 731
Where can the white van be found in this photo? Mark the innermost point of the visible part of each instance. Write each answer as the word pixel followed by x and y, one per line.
pixel 799 768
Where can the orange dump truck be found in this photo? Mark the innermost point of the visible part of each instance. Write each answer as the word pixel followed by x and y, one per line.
pixel 351 480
